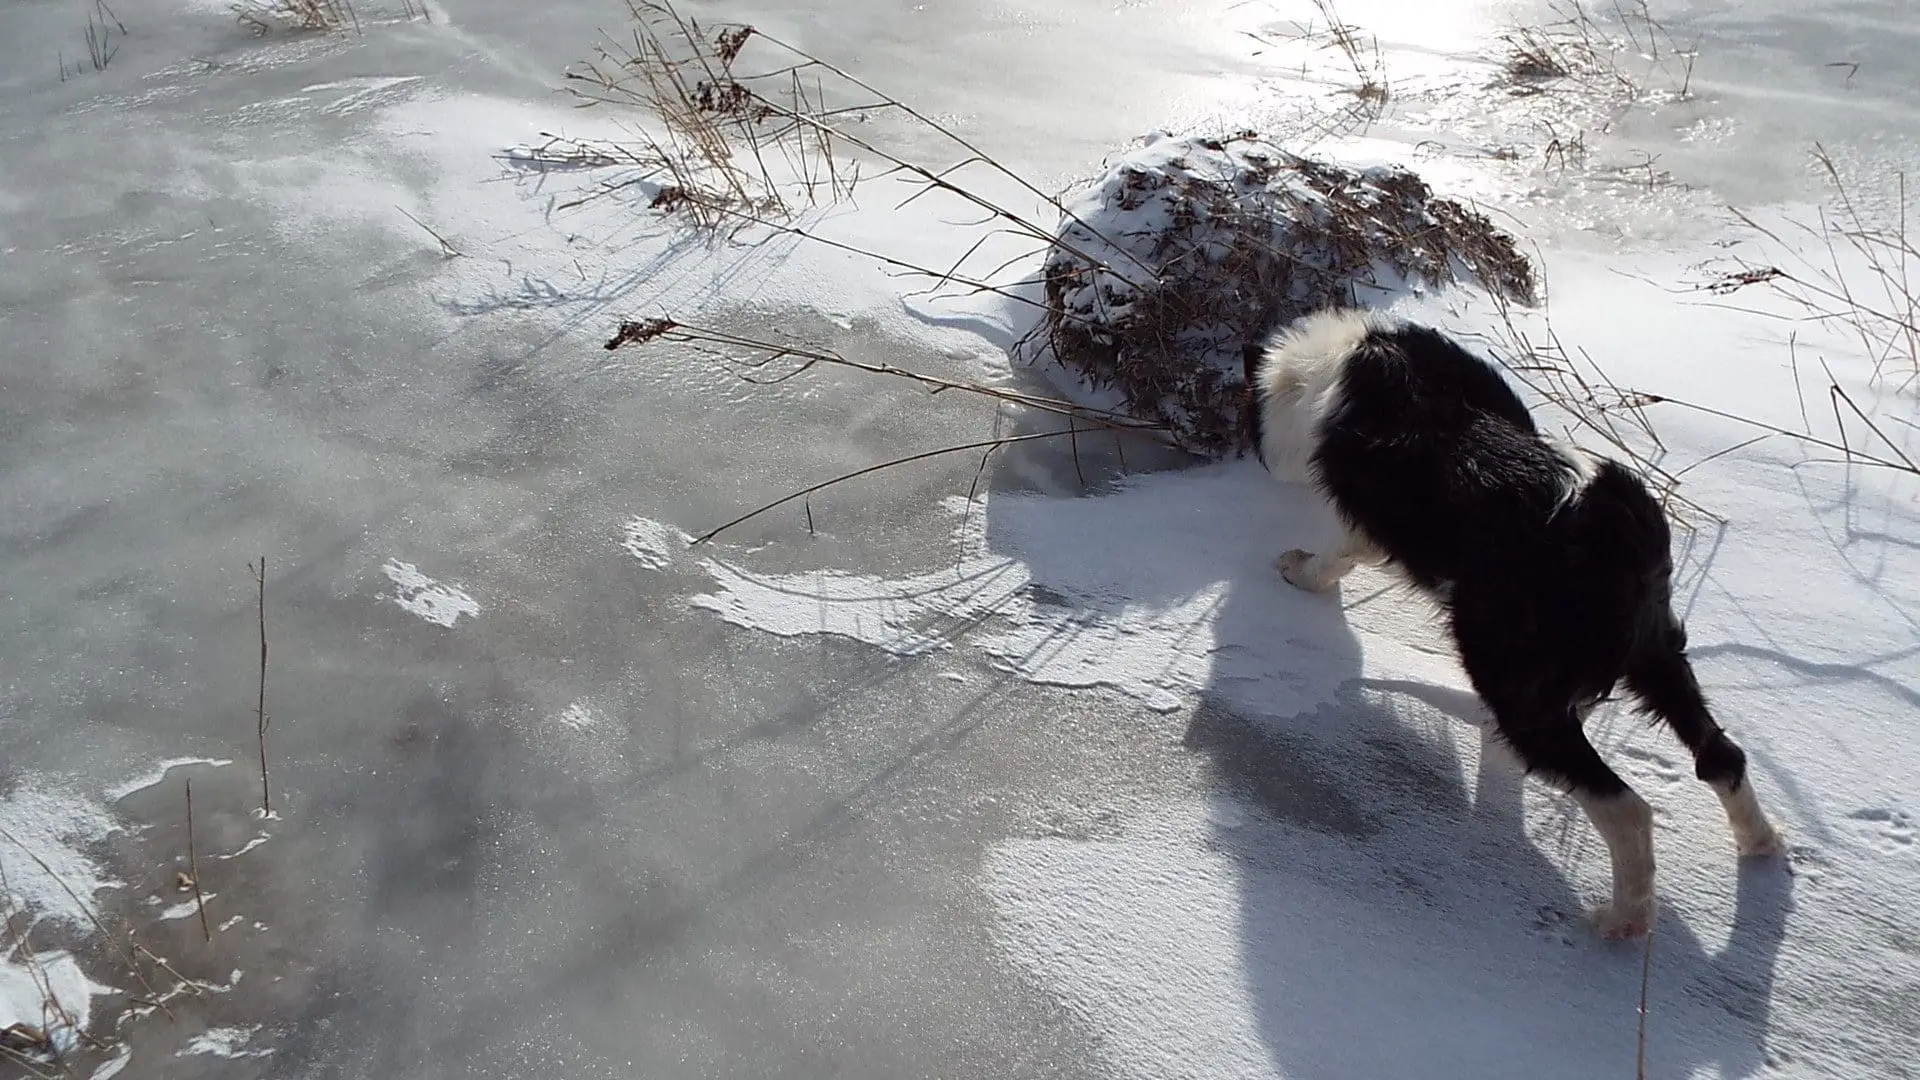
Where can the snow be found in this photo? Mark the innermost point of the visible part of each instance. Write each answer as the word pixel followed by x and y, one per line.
pixel 578 716
pixel 226 1042
pixel 1396 903
pixel 1161 589
pixel 46 831
pixel 114 1065
pixel 1208 950
pixel 49 993
pixel 185 909
pixel 1211 940
pixel 1189 962
pixel 158 773
pixel 244 848
pixel 441 605
pixel 653 543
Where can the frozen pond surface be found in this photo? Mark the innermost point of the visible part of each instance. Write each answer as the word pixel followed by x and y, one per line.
pixel 1049 786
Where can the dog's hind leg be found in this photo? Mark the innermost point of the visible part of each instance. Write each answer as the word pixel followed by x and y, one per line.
pixel 1553 745
pixel 1662 678
pixel 1539 718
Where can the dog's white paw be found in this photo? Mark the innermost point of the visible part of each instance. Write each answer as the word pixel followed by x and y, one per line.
pixel 1762 843
pixel 1753 835
pixel 1623 920
pixel 1295 567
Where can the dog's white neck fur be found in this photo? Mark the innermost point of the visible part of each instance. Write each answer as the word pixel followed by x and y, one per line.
pixel 1298 394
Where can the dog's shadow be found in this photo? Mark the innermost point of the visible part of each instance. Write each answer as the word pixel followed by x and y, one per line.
pixel 1444 936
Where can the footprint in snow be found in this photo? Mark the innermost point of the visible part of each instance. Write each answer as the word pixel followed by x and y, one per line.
pixel 1893 828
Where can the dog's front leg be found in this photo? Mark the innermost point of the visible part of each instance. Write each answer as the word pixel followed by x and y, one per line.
pixel 1321 573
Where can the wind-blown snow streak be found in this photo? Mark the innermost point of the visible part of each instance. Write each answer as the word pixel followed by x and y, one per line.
pixel 653 543
pixel 226 1042
pixel 1160 589
pixel 159 772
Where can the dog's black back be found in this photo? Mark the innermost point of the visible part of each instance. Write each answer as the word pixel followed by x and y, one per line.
pixel 1434 457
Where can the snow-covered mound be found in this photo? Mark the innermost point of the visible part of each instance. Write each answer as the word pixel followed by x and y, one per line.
pixel 1188 248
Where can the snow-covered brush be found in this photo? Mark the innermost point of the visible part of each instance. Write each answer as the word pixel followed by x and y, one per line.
pixel 1238 235
pixel 711 122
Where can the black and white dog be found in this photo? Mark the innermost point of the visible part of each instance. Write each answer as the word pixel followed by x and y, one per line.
pixel 1554 568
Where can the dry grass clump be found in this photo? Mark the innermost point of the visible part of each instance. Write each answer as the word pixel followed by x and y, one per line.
pixel 1535 55
pixel 1360 75
pixel 1632 56
pixel 1218 241
pixel 719 145
pixel 102 24
pixel 1362 54
pixel 262 16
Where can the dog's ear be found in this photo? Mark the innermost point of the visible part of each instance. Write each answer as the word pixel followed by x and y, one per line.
pixel 1250 354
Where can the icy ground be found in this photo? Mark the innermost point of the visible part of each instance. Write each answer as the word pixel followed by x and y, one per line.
pixel 1061 782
